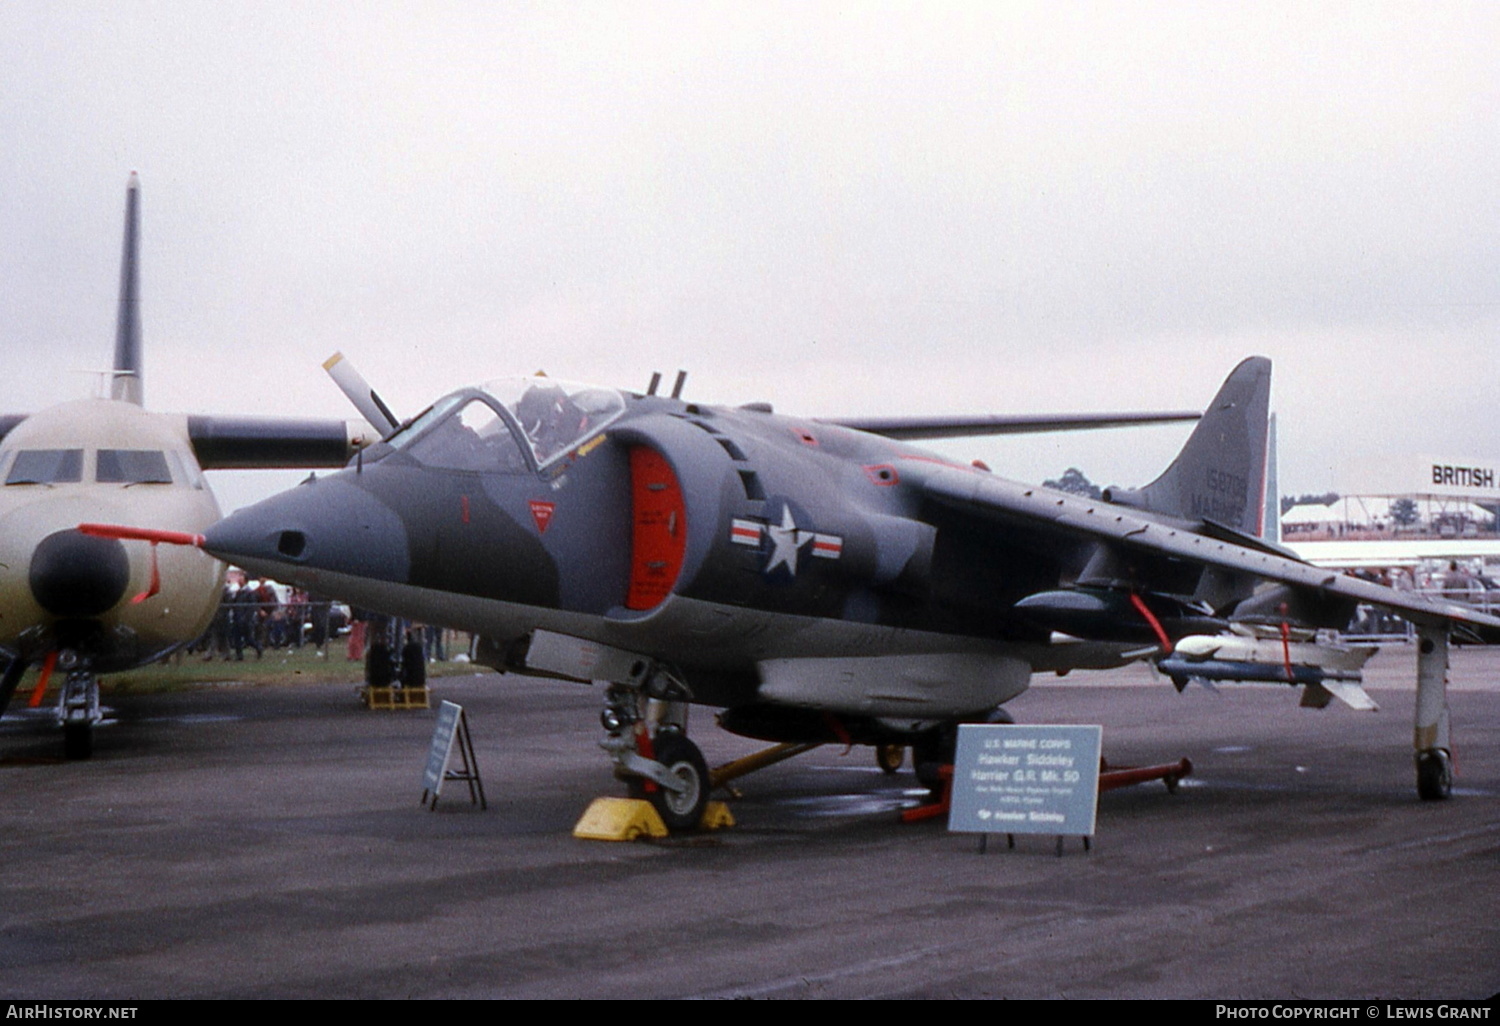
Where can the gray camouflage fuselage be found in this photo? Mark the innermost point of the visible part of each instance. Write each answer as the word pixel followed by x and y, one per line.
pixel 808 570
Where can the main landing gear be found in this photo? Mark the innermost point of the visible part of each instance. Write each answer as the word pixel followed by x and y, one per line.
pixel 932 753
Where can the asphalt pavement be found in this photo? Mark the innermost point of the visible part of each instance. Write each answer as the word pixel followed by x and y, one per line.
pixel 269 842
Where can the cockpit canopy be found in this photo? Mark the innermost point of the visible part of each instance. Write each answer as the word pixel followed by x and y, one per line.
pixel 499 424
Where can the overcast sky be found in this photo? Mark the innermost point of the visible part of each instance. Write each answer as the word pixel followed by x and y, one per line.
pixel 839 208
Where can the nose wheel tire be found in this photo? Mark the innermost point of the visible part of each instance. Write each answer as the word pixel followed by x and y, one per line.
pixel 685 762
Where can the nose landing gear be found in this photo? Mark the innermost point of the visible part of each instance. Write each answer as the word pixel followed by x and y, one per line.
pixel 645 725
pixel 681 798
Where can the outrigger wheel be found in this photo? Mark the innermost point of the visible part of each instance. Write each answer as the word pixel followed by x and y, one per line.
pixel 1434 775
pixel 683 760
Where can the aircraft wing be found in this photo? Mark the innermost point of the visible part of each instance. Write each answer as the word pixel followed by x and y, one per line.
pixel 264 443
pixel 920 428
pixel 274 443
pixel 1128 529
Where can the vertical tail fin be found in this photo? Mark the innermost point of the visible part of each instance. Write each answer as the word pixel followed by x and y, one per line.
pixel 1220 474
pixel 125 380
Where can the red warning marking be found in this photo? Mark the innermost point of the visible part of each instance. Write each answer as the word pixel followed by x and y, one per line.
pixel 541 512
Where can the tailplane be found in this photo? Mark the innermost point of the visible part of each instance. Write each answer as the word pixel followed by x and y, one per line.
pixel 125 378
pixel 1220 474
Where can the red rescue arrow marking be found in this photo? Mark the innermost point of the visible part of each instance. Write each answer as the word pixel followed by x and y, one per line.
pixel 541 512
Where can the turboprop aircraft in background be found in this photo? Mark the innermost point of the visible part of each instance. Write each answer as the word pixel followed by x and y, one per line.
pixel 817 580
pixel 88 605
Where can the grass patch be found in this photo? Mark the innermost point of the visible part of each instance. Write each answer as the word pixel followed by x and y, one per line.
pixel 185 671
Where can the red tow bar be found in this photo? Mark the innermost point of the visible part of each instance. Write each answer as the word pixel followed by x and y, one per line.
pixel 1109 780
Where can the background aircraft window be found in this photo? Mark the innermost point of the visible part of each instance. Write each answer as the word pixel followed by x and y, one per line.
pixel 474 438
pixel 185 469
pixel 132 466
pixel 46 466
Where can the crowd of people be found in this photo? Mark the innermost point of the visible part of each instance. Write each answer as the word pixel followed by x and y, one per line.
pixel 1453 581
pixel 259 615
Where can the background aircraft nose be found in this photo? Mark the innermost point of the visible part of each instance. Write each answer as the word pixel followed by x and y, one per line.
pixel 74 574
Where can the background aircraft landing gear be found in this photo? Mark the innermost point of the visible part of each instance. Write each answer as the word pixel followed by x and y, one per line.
pixel 380 670
pixel 413 673
pixel 78 709
pixel 78 740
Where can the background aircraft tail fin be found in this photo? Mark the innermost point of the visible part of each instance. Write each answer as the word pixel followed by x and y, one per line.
pixel 1220 474
pixel 125 379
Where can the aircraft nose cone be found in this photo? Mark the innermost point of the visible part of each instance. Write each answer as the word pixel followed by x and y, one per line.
pixel 76 575
pixel 326 524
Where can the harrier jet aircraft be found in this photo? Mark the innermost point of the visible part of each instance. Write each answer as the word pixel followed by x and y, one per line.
pixel 90 605
pixel 817 580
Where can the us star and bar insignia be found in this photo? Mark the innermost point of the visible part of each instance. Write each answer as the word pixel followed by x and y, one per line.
pixel 787 541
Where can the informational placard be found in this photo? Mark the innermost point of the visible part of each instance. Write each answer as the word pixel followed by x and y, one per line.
pixel 441 749
pixel 452 726
pixel 1032 779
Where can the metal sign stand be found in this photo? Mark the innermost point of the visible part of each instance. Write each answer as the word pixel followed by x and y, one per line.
pixel 1010 842
pixel 452 725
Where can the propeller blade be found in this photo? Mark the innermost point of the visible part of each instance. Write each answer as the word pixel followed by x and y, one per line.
pixel 353 384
